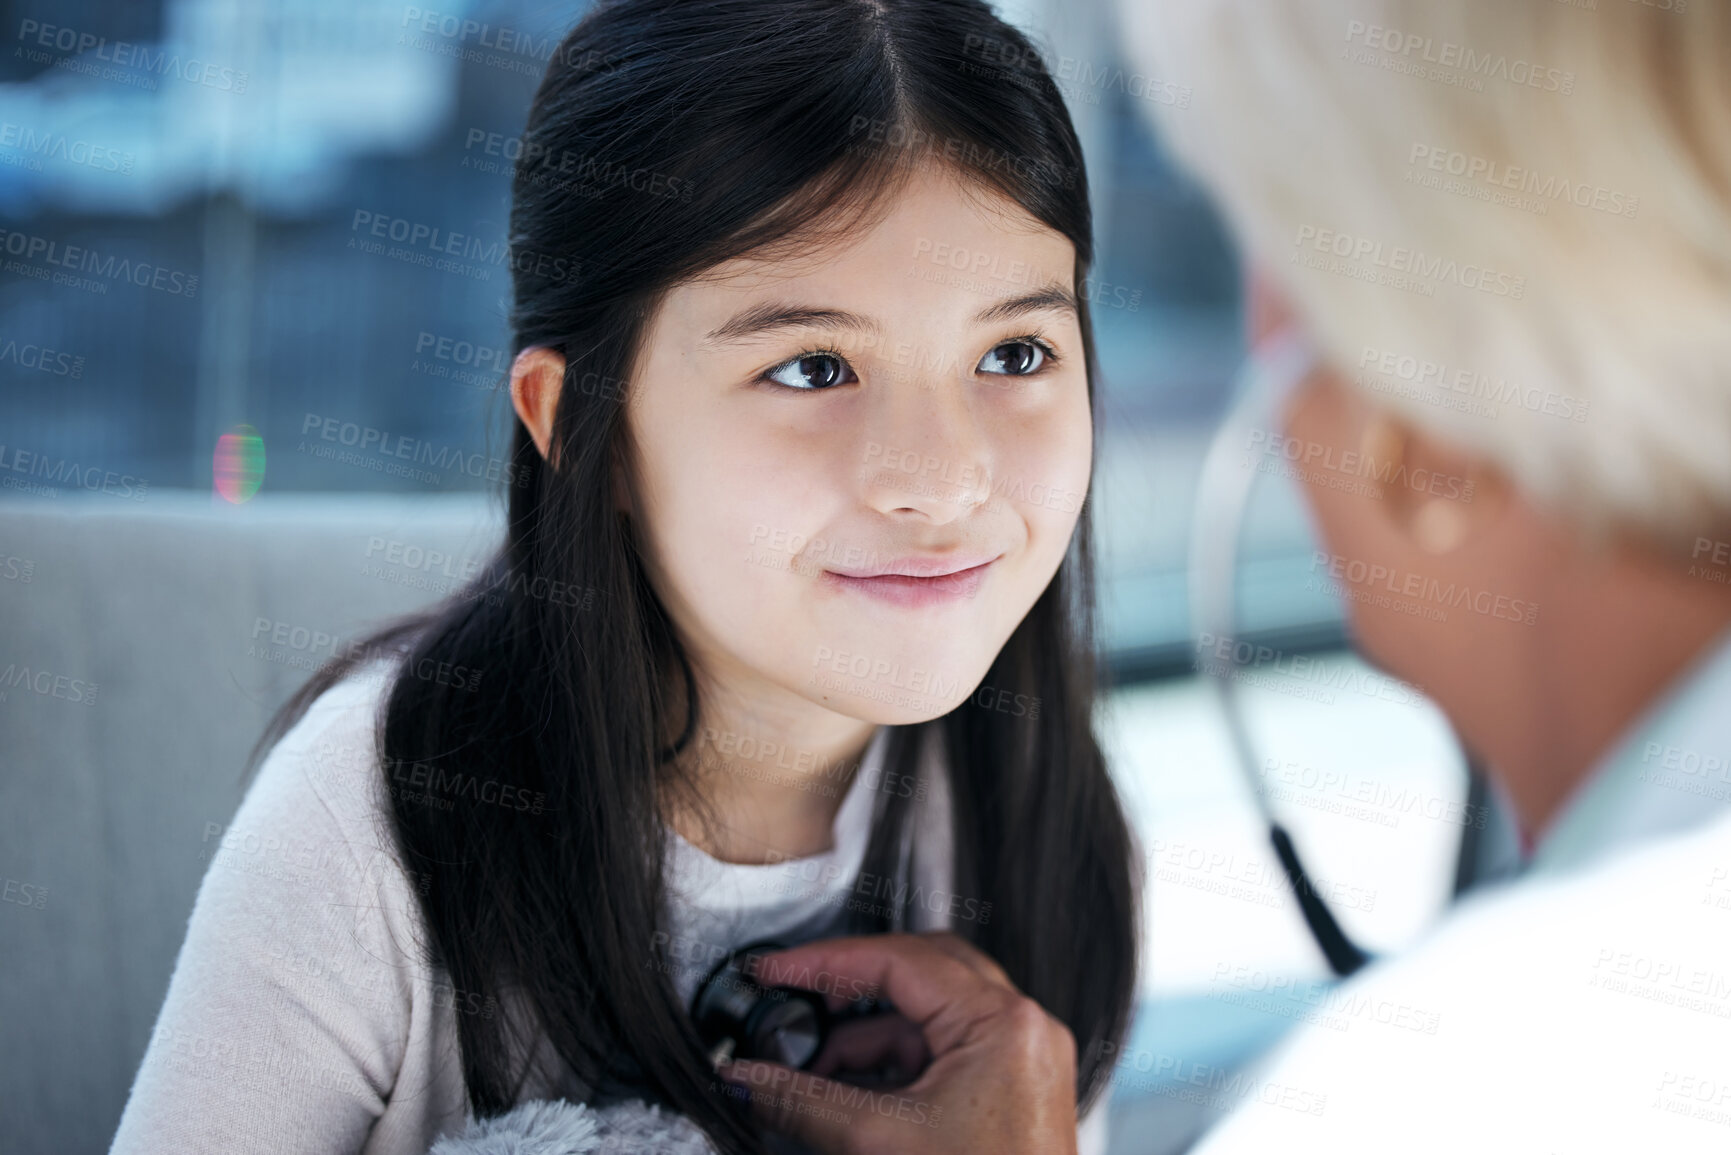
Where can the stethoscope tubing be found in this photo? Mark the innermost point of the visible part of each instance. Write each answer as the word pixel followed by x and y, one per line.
pixel 1273 369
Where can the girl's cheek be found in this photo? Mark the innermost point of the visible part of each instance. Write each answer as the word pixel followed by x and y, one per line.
pixel 1051 471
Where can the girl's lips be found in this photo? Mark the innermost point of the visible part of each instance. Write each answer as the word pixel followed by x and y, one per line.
pixel 908 591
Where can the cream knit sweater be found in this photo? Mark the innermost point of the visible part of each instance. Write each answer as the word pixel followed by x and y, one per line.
pixel 299 1019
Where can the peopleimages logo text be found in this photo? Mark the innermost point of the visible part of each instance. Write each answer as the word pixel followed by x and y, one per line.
pixel 58 146
pixel 466 246
pixel 1450 55
pixel 365 438
pixel 1413 262
pixel 61 471
pixel 154 61
pixel 30 247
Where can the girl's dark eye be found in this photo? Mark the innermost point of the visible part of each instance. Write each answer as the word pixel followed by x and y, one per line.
pixel 812 371
pixel 1013 359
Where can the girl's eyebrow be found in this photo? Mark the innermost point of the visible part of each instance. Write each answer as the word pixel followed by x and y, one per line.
pixel 769 316
pixel 751 321
pixel 1052 295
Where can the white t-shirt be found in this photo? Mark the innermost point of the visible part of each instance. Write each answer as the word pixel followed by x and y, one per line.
pixel 298 1017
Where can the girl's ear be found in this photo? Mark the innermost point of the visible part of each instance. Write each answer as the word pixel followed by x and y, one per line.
pixel 537 376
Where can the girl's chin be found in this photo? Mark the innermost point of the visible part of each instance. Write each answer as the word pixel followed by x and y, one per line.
pixel 886 714
pixel 886 693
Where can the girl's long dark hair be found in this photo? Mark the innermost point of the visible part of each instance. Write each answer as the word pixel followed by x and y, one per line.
pixel 667 136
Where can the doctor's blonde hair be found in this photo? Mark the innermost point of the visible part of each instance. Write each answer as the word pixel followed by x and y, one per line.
pixel 1508 221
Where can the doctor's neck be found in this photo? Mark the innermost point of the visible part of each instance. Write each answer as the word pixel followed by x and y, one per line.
pixel 1617 629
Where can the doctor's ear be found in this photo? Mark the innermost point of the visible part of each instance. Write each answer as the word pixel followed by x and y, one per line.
pixel 1378 483
pixel 537 376
pixel 1438 496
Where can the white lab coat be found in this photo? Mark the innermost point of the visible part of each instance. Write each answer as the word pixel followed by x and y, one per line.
pixel 1584 1007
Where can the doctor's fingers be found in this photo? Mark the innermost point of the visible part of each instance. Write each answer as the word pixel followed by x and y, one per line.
pixel 921 978
pixel 970 956
pixel 869 1043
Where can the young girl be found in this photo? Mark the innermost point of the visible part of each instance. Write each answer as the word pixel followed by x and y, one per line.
pixel 790 635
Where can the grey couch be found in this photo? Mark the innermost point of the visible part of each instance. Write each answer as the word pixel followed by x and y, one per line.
pixel 143 645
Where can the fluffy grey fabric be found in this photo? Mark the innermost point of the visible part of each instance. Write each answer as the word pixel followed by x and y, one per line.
pixel 558 1127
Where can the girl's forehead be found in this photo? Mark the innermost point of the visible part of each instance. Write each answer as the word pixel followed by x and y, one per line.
pixel 933 210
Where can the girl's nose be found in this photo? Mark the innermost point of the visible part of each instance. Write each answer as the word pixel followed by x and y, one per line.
pixel 926 452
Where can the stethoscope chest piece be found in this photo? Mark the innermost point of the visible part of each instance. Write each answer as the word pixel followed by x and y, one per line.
pixel 739 1018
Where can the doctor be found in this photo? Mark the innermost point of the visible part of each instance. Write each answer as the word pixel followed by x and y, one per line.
pixel 1507 226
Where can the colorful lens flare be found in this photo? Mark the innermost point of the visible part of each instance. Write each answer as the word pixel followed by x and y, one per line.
pixel 238 465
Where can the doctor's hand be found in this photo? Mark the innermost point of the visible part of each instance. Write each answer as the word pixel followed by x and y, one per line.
pixel 1001 1076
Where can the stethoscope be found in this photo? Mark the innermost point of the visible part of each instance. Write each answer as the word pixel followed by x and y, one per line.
pixel 1273 369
